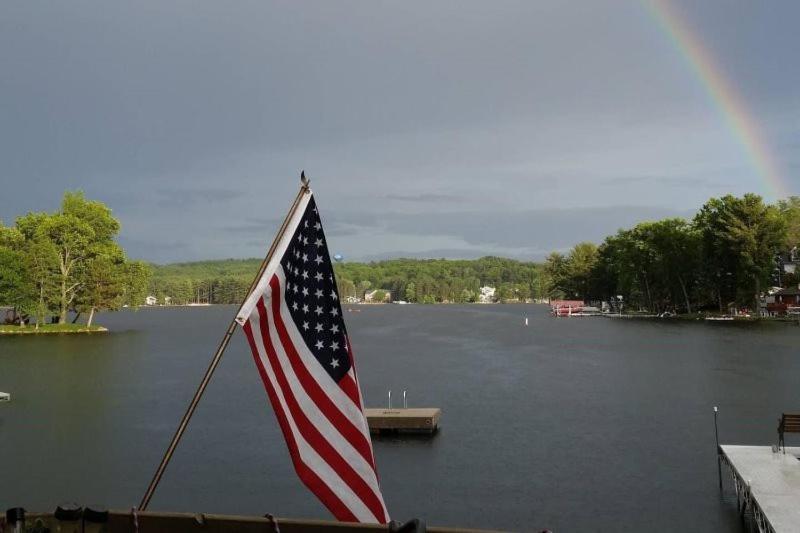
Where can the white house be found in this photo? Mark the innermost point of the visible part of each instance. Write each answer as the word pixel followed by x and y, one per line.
pixel 369 296
pixel 150 300
pixel 487 295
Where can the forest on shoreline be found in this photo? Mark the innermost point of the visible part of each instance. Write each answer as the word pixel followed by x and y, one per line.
pixel 414 280
pixel 53 264
pixel 730 252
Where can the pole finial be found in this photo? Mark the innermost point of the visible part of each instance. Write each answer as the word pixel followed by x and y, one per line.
pixel 303 179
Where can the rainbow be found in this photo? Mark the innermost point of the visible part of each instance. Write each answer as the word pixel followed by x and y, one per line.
pixel 723 94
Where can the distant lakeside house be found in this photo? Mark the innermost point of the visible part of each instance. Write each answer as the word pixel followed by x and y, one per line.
pixel 487 295
pixel 152 300
pixel 378 296
pixel 790 261
pixel 782 302
pixel 789 296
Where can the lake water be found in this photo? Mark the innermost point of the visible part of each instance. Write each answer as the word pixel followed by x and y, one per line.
pixel 571 424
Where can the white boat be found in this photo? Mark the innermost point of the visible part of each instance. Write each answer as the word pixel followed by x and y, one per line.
pixel 5 397
pixel 719 318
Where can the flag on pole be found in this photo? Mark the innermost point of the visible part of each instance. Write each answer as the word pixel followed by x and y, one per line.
pixel 293 323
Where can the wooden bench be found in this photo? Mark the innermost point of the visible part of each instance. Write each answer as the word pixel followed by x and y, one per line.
pixel 788 423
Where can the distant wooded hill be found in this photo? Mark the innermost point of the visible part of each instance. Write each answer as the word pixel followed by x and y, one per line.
pixel 413 280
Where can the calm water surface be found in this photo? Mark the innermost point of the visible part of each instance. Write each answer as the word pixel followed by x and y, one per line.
pixel 572 424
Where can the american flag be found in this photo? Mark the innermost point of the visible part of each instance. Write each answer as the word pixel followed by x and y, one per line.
pixel 293 322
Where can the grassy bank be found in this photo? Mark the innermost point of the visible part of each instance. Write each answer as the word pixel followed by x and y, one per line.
pixel 6 329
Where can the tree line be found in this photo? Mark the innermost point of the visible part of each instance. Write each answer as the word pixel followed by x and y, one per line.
pixel 442 280
pixel 223 281
pixel 413 280
pixel 52 264
pixel 728 254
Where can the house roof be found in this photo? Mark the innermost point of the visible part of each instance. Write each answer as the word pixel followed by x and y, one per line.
pixel 789 291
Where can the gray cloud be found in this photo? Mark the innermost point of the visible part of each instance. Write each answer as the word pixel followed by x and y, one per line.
pixel 530 234
pixel 425 127
pixel 665 181
pixel 173 198
pixel 423 198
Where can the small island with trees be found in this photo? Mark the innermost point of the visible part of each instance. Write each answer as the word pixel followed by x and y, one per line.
pixel 58 267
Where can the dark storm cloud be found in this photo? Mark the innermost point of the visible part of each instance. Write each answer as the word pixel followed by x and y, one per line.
pixel 185 197
pixel 423 198
pixel 426 127
pixel 253 225
pixel 664 181
pixel 516 233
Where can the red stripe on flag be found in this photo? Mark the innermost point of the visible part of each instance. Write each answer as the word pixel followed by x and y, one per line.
pixel 353 434
pixel 312 435
pixel 350 388
pixel 306 474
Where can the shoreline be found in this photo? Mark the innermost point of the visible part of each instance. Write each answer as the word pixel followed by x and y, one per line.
pixel 699 318
pixel 48 329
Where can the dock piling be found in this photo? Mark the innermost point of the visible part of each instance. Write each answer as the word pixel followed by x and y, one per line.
pixel 716 438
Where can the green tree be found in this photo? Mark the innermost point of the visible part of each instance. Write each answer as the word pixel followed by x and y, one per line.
pixel 362 287
pixel 73 261
pixel 580 264
pixel 555 271
pixel 790 212
pixel 137 276
pixel 41 263
pixel 103 287
pixel 749 233
pixel 411 292
pixel 72 240
pixel 379 296
pixel 16 289
pixel 673 252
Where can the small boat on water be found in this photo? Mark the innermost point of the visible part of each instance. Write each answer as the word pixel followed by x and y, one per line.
pixel 5 397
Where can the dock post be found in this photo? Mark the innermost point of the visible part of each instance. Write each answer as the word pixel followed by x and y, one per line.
pixel 405 405
pixel 745 499
pixel 716 437
pixel 390 399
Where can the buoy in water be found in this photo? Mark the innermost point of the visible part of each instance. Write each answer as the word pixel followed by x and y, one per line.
pixel 526 321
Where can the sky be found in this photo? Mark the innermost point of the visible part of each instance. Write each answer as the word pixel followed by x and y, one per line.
pixel 428 129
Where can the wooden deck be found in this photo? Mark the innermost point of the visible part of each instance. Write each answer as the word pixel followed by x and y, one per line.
pixel 411 420
pixel 767 483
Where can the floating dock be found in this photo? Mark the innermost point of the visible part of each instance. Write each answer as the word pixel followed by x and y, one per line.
pixel 767 484
pixel 406 420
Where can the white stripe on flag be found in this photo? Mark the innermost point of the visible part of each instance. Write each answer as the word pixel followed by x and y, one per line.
pixel 313 412
pixel 308 455
pixel 263 284
pixel 331 388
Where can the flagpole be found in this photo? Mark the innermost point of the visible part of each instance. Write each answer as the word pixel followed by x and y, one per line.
pixel 304 189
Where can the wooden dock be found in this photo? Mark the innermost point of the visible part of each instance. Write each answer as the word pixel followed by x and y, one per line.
pixel 406 420
pixel 767 484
